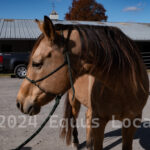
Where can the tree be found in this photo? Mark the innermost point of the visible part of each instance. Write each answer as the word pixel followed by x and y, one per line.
pixel 87 10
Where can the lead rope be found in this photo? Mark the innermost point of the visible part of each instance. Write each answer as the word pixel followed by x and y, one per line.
pixel 70 76
pixel 68 61
pixel 57 100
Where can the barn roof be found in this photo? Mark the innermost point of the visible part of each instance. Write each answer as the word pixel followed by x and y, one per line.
pixel 28 29
pixel 18 29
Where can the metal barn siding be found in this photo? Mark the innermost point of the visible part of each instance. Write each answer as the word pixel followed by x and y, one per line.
pixel 146 58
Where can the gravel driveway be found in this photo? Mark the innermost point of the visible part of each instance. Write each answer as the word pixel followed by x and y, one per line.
pixel 16 127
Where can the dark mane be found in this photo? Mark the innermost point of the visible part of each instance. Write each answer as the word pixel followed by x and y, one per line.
pixel 111 50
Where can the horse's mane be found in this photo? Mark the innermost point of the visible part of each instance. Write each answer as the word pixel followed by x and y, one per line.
pixel 115 54
pixel 111 50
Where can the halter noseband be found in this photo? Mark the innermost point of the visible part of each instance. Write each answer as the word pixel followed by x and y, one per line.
pixel 66 62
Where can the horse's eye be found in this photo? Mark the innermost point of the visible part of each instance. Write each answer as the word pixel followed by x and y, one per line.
pixel 36 64
pixel 50 54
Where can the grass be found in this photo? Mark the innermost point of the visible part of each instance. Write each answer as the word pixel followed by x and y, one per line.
pixel 5 74
pixel 148 70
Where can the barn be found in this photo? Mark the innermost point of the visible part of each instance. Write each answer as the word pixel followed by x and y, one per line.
pixel 19 35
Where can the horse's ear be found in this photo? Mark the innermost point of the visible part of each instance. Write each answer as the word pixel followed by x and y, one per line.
pixel 48 28
pixel 40 25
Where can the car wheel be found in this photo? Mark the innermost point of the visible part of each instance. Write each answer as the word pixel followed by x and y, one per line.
pixel 20 71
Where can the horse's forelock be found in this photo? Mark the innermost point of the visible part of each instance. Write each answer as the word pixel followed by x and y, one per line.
pixel 37 44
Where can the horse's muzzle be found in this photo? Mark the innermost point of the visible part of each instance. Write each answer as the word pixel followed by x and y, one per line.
pixel 30 108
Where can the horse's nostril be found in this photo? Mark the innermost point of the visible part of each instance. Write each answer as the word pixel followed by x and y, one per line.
pixel 18 105
pixel 30 109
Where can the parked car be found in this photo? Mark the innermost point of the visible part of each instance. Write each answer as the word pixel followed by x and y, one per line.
pixel 14 62
pixel 1 62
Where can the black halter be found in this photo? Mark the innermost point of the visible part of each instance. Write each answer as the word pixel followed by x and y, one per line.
pixel 66 62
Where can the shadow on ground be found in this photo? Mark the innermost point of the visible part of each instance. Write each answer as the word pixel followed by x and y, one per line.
pixel 143 134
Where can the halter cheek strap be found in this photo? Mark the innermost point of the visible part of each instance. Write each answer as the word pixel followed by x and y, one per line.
pixel 65 51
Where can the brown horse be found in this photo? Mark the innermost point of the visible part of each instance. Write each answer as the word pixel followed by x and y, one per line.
pixel 104 52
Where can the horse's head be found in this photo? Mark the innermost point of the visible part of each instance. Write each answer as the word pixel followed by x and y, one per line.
pixel 47 56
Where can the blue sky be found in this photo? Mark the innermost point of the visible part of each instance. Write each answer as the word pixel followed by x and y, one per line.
pixel 117 10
